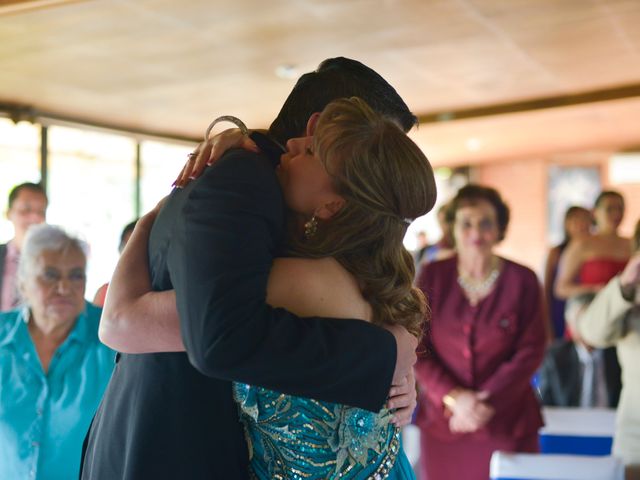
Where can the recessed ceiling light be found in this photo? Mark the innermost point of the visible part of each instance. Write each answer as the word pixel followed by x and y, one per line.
pixel 473 144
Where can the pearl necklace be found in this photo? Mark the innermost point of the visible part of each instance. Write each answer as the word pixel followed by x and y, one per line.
pixel 477 289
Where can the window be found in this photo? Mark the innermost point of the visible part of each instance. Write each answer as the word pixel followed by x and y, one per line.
pixel 19 163
pixel 91 187
pixel 91 182
pixel 160 164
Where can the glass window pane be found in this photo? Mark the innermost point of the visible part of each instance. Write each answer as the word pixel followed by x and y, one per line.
pixel 448 181
pixel 160 164
pixel 91 189
pixel 567 186
pixel 19 162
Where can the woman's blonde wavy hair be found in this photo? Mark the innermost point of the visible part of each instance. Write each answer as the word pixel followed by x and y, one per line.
pixel 386 182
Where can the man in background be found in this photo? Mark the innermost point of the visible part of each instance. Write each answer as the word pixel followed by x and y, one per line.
pixel 27 206
pixel 574 373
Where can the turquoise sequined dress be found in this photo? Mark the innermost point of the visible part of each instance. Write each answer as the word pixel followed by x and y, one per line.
pixel 299 438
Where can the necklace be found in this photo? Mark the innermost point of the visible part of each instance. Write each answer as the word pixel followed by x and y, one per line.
pixel 477 289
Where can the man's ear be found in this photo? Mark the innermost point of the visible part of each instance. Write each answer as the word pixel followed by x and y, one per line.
pixel 312 123
pixel 329 209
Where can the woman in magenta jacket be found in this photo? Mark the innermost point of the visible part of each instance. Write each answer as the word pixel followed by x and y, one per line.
pixel 485 340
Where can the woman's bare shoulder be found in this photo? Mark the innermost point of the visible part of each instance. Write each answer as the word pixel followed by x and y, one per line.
pixel 579 249
pixel 610 247
pixel 297 264
pixel 319 286
pixel 322 274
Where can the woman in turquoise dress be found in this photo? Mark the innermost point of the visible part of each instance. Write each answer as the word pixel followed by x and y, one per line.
pixel 352 189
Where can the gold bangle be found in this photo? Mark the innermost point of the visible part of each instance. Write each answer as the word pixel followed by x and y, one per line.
pixel 227 118
pixel 448 400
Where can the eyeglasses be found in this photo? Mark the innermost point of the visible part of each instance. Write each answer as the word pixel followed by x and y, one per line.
pixel 52 277
pixel 483 225
pixel 28 210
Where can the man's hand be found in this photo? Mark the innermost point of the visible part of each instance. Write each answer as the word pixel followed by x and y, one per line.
pixel 208 152
pixel 403 398
pixel 405 355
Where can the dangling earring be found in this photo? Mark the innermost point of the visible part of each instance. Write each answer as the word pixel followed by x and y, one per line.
pixel 26 313
pixel 311 227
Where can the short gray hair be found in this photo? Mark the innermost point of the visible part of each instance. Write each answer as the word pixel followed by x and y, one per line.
pixel 41 238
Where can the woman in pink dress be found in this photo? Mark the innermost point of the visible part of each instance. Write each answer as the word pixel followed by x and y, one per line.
pixel 577 224
pixel 588 263
pixel 486 339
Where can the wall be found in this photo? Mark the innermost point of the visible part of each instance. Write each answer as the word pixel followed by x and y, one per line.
pixel 522 184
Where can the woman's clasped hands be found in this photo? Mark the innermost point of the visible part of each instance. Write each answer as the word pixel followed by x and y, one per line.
pixel 469 410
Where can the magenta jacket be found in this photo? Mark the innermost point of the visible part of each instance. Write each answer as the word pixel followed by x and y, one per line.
pixel 495 346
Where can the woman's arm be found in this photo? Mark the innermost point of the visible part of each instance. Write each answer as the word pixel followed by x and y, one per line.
pixel 550 267
pixel 136 319
pixel 431 373
pixel 603 323
pixel 550 273
pixel 570 263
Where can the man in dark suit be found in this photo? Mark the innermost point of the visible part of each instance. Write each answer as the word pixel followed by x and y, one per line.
pixel 574 374
pixel 172 415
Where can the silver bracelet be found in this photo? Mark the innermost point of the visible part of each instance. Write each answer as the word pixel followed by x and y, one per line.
pixel 227 118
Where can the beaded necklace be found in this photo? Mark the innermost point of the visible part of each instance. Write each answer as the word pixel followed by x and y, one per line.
pixel 478 289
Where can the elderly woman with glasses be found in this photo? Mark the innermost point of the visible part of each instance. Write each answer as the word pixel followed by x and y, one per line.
pixel 53 368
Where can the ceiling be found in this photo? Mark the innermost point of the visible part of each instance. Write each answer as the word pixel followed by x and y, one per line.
pixel 481 74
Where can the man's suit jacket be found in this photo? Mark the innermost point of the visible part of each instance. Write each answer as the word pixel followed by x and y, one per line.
pixel 613 320
pixel 561 381
pixel 171 415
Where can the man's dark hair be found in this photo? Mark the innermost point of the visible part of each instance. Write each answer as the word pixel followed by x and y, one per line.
pixel 338 78
pixel 606 194
pixel 34 187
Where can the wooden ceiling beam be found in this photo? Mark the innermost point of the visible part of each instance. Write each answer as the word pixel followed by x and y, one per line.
pixel 9 7
pixel 602 95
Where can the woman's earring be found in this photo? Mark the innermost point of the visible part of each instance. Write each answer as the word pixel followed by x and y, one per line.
pixel 26 313
pixel 311 227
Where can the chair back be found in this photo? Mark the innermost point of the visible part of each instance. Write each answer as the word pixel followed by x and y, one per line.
pixel 577 431
pixel 534 466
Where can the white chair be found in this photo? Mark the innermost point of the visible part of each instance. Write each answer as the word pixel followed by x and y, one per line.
pixel 534 466
pixel 577 431
pixel 411 444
